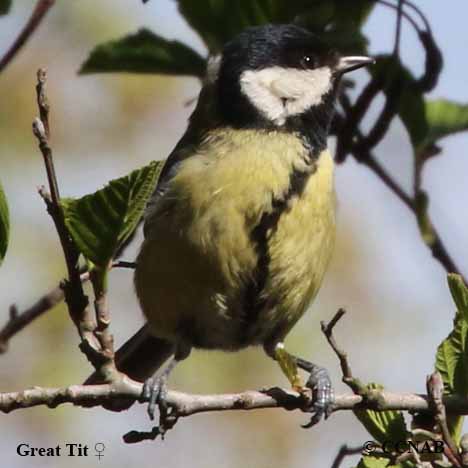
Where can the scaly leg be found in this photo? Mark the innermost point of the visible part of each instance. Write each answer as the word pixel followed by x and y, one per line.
pixel 155 388
pixel 319 381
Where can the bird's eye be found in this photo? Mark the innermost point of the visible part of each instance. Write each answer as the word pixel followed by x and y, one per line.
pixel 308 61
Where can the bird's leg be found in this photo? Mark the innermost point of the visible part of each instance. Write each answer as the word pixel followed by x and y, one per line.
pixel 288 365
pixel 319 381
pixel 155 388
pixel 322 390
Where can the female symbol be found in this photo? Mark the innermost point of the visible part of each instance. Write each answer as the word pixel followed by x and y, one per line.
pixel 99 447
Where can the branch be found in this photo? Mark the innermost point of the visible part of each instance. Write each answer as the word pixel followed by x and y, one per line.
pixel 42 7
pixel 435 391
pixel 362 154
pixel 74 294
pixel 20 320
pixel 345 451
pixel 356 386
pixel 185 404
pixel 96 341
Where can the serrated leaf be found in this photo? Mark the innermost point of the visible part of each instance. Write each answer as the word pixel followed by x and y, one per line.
pixel 145 52
pixel 444 118
pixel 451 358
pixel 383 425
pixel 99 223
pixel 452 353
pixel 5 6
pixel 4 225
pixel 459 293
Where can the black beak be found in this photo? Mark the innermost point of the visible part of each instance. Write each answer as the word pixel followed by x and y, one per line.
pixel 347 64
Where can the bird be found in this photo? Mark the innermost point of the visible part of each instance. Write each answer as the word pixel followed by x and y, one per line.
pixel 241 227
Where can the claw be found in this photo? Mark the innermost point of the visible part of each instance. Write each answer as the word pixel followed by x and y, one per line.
pixel 155 391
pixel 322 392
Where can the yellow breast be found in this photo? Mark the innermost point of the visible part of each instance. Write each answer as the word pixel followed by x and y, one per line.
pixel 198 259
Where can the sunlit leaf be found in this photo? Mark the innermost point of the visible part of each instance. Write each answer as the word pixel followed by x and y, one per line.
pixel 4 225
pixel 452 353
pixel 444 118
pixel 459 293
pixel 99 223
pixel 145 52
pixel 383 425
pixel 5 6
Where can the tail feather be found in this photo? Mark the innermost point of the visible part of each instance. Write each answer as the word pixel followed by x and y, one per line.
pixel 140 357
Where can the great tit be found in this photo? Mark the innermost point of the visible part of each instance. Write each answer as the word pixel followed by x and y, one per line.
pixel 241 227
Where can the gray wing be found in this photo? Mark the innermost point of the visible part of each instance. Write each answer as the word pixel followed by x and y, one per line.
pixel 203 119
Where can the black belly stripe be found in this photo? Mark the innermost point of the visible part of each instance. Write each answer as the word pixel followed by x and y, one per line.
pixel 253 300
pixel 312 127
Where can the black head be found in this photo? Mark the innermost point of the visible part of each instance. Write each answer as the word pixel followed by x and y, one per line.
pixel 277 75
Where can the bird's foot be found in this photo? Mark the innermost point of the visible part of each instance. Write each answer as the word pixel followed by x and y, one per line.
pixel 323 395
pixel 155 392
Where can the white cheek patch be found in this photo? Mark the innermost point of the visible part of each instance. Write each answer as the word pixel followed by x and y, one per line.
pixel 282 92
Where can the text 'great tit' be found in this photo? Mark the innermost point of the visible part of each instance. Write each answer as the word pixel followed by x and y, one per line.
pixel 241 227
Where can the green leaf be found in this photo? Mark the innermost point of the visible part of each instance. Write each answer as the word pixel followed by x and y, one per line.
pixel 373 462
pixel 145 52
pixel 452 353
pixel 383 425
pixel 217 21
pixel 5 6
pixel 459 293
pixel 4 225
pixel 99 223
pixel 444 118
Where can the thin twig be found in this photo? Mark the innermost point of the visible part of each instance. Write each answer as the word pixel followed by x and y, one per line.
pixel 108 368
pixel 396 49
pixel 122 264
pixel 404 14
pixel 437 247
pixel 19 320
pixel 43 105
pixel 435 392
pixel 386 178
pixel 348 378
pixel 40 10
pixel 77 301
pixel 345 451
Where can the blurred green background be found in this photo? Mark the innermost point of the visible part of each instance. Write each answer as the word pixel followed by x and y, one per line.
pixel 103 126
